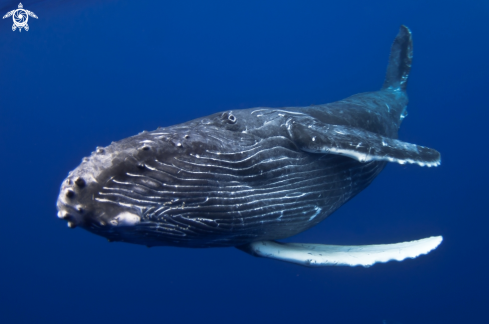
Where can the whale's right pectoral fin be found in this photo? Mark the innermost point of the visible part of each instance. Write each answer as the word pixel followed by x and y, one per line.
pixel 313 136
pixel 320 255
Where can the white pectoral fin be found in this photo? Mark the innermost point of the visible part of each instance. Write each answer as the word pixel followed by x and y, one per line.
pixel 356 143
pixel 320 255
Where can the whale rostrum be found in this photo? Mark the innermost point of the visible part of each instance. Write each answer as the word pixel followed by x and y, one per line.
pixel 247 178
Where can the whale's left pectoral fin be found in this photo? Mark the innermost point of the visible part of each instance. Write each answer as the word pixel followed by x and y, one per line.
pixel 364 146
pixel 320 255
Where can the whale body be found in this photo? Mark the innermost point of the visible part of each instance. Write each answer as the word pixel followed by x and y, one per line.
pixel 246 178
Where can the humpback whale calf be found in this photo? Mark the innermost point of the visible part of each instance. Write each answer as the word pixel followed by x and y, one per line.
pixel 246 178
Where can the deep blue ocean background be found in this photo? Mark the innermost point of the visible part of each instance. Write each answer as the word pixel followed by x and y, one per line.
pixel 91 72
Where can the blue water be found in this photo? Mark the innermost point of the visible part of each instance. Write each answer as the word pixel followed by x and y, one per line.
pixel 91 72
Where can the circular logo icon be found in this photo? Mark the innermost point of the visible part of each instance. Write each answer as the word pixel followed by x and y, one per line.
pixel 20 17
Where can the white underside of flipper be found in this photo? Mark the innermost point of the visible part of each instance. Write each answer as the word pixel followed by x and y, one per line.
pixel 320 255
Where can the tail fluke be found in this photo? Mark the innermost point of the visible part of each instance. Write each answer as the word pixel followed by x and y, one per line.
pixel 399 61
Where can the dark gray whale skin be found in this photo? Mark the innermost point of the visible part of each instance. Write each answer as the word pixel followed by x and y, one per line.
pixel 242 176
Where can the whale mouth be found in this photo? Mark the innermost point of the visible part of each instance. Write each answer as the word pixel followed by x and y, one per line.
pixel 69 206
pixel 78 206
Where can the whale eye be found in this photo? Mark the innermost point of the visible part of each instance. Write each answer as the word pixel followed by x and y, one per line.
pixel 229 117
pixel 232 119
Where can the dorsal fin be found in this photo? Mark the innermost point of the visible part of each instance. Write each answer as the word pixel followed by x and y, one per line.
pixel 399 61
